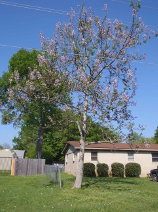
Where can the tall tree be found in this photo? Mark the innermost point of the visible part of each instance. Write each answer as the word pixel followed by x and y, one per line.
pixel 33 94
pixel 95 55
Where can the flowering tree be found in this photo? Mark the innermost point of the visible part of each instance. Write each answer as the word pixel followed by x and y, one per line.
pixel 95 55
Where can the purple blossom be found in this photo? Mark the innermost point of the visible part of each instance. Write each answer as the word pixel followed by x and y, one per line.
pixel 152 32
pixel 116 22
pixel 58 26
pixel 84 12
pixel 144 56
pixel 97 63
pixel 108 21
pixel 41 60
pixel 16 75
pixel 62 59
pixel 72 13
pixel 90 19
pixel 125 97
pixel 105 7
pixel 107 52
pixel 42 39
pixel 73 32
pixel 129 74
pixel 145 37
pixel 115 84
pixel 134 12
pixel 140 19
pixel 32 76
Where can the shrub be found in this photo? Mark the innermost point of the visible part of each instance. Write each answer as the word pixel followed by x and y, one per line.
pixel 117 170
pixel 89 170
pixel 102 170
pixel 132 170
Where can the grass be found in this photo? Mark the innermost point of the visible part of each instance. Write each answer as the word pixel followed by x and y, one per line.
pixel 38 193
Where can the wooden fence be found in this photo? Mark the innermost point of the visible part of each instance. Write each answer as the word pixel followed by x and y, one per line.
pixel 5 163
pixel 27 167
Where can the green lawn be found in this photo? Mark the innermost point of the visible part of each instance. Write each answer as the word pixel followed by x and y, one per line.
pixel 39 194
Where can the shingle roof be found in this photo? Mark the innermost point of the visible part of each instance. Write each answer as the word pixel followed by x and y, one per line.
pixel 20 153
pixel 113 146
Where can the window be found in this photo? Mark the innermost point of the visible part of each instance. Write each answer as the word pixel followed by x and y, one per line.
pixel 94 156
pixel 154 157
pixel 130 156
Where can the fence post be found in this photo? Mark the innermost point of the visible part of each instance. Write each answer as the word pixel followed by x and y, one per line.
pixel 59 177
pixel 13 167
pixel 56 174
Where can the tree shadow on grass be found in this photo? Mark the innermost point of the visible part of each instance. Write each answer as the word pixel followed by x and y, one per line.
pixel 110 183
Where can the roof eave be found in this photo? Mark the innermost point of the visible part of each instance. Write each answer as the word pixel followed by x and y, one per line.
pixel 134 149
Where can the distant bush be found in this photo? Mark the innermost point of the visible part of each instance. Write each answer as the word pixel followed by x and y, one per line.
pixel 89 170
pixel 117 170
pixel 102 170
pixel 132 170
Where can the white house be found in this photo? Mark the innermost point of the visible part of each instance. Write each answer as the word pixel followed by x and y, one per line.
pixel 102 152
pixel 6 156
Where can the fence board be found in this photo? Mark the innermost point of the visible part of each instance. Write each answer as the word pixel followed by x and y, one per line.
pixel 28 167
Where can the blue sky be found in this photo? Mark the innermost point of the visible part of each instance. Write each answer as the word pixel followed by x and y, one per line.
pixel 21 27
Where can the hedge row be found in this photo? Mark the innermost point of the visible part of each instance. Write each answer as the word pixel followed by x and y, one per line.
pixel 117 170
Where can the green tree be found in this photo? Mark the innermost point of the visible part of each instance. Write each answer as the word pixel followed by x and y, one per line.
pixel 136 138
pixel 156 135
pixel 25 95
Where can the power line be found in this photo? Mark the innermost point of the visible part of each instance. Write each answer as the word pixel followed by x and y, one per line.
pixel 42 9
pixel 51 10
pixel 18 47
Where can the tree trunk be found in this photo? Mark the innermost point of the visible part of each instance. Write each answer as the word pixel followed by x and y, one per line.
pixel 39 143
pixel 83 132
pixel 79 176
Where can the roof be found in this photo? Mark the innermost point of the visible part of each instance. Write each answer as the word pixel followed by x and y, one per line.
pixel 7 153
pixel 112 146
pixel 19 153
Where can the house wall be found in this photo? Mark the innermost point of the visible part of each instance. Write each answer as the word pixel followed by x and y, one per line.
pixel 109 157
pixel 71 159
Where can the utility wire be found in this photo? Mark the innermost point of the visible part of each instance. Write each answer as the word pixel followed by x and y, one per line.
pixel 51 10
pixel 18 47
